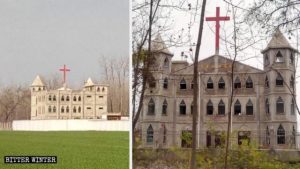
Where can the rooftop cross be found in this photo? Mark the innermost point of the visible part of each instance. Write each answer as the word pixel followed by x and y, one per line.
pixel 64 70
pixel 217 19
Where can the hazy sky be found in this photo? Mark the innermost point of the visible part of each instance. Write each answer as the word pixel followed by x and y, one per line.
pixel 39 36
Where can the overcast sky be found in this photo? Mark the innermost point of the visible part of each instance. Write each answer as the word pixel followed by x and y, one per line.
pixel 39 36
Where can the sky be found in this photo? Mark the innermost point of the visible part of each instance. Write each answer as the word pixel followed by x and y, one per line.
pixel 37 37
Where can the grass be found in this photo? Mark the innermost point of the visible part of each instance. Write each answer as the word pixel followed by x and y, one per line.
pixel 74 150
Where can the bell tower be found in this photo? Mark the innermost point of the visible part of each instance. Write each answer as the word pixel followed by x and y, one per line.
pixel 37 89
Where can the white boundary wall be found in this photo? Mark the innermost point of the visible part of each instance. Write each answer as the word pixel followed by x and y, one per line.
pixel 71 125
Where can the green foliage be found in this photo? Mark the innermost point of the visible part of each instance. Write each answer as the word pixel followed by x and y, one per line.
pixel 75 150
pixel 187 137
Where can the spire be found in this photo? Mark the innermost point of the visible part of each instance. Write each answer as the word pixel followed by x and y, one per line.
pixel 278 41
pixel 159 45
pixel 38 81
pixel 89 82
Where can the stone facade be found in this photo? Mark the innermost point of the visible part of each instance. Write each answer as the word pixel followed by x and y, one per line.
pixel 263 108
pixel 65 103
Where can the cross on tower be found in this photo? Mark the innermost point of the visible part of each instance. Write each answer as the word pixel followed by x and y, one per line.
pixel 217 19
pixel 64 70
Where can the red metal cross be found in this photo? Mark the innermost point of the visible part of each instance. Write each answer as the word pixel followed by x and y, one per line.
pixel 64 70
pixel 217 19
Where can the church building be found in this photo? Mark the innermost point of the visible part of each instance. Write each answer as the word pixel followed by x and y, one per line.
pixel 263 107
pixel 65 103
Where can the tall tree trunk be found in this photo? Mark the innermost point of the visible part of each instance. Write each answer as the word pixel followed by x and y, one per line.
pixel 196 89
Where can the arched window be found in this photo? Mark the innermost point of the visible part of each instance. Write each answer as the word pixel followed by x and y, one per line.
pixel 209 108
pixel 54 98
pixel 221 83
pixel 292 82
pixel 103 89
pixel 166 63
pixel 294 135
pixel 279 57
pixel 67 109
pixel 182 84
pixel 192 107
pixel 165 107
pixel 292 107
pixel 266 59
pixel 152 82
pixel 249 108
pixel 79 109
pixel 74 109
pixel 39 89
pixel 62 110
pixel 79 98
pixel 98 89
pixel 49 109
pixel 280 135
pixel 151 107
pixel 192 84
pixel 237 107
pixel 150 134
pixel 62 98
pixel 266 82
pixel 279 106
pixel 249 83
pixel 267 106
pixel 50 98
pixel 279 80
pixel 165 84
pixel 165 134
pixel 182 108
pixel 221 108
pixel 74 98
pixel 268 139
pixel 68 98
pixel 291 58
pixel 210 84
pixel 237 83
pixel 54 109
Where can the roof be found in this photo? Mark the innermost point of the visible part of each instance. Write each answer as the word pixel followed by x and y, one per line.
pixel 38 81
pixel 159 45
pixel 278 41
pixel 64 87
pixel 89 82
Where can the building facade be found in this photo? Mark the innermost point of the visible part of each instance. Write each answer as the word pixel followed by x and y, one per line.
pixel 65 103
pixel 263 105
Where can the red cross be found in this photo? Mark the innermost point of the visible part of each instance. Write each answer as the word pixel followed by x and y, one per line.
pixel 64 70
pixel 217 19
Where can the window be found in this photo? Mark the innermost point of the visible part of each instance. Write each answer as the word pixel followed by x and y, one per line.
pixel 49 109
pixel 268 138
pixel 62 98
pixel 182 84
pixel 62 110
pixel 186 139
pixel 74 109
pixel 249 83
pixel 209 108
pixel 79 98
pixel 98 89
pixel 266 59
pixel 221 108
pixel 279 80
pixel 150 134
pixel 166 63
pixel 165 134
pixel 210 84
pixel 249 108
pixel 292 107
pixel 67 109
pixel 293 135
pixel 244 136
pixel 49 98
pixel 88 96
pixel 103 89
pixel 192 107
pixel 151 107
pixel 280 135
pixel 54 109
pixel 279 57
pixel 182 108
pixel 89 108
pixel 192 84
pixel 237 107
pixel 221 83
pixel 68 98
pixel 266 82
pixel 152 82
pixel 292 82
pixel 267 106
pixel 54 98
pixel 208 139
pixel 74 99
pixel 165 84
pixel 219 139
pixel 79 109
pixel 279 106
pixel 165 107
pixel 291 58
pixel 237 83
